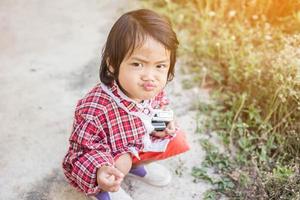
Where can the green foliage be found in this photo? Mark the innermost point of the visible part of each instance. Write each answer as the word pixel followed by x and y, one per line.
pixel 283 183
pixel 210 195
pixel 201 174
pixel 257 165
pixel 282 173
pixel 213 157
pixel 247 52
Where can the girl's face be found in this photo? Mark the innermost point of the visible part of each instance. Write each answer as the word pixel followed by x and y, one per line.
pixel 144 73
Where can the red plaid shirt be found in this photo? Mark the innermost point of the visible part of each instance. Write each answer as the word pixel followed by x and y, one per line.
pixel 102 131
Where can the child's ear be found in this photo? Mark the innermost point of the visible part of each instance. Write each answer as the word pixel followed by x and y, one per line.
pixel 110 68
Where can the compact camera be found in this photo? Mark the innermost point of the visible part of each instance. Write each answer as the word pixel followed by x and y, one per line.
pixel 161 118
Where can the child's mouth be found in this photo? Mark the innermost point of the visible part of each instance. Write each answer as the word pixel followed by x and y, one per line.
pixel 148 86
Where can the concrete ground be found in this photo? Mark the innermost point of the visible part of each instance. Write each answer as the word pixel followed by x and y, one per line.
pixel 49 58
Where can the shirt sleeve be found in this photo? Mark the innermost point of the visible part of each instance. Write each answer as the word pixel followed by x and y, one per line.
pixel 92 153
pixel 161 100
pixel 164 102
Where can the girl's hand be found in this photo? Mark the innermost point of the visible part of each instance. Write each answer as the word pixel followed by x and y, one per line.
pixel 109 178
pixel 170 130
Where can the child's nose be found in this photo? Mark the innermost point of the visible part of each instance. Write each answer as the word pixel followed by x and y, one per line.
pixel 148 75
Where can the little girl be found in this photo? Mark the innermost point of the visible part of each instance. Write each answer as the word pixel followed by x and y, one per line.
pixel 112 133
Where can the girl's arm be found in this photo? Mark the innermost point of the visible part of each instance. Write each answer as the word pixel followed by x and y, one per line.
pixel 91 152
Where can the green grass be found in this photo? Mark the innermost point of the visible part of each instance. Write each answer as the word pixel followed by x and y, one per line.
pixel 247 53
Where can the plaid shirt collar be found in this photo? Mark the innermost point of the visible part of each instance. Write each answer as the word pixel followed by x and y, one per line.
pixel 129 103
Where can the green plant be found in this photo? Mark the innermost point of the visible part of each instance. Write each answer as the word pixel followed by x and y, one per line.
pixel 246 52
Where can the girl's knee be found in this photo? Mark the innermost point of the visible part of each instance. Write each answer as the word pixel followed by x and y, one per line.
pixel 124 163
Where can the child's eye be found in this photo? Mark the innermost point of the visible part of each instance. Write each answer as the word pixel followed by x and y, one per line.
pixel 161 66
pixel 137 64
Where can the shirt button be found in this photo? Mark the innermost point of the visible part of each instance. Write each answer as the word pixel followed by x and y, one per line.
pixel 146 111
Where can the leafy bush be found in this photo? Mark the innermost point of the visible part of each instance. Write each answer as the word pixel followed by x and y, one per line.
pixel 248 53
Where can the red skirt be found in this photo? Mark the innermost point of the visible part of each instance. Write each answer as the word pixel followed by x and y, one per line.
pixel 176 146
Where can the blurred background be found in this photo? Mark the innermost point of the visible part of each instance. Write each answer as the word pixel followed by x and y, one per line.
pixel 247 54
pixel 49 58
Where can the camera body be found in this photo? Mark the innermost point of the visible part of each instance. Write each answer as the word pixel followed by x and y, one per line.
pixel 161 118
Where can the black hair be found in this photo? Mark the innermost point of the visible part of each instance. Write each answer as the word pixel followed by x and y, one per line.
pixel 129 32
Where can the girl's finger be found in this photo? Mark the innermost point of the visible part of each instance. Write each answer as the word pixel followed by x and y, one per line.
pixel 114 189
pixel 159 133
pixel 107 182
pixel 111 181
pixel 171 125
pixel 115 172
pixel 113 185
pixel 170 132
